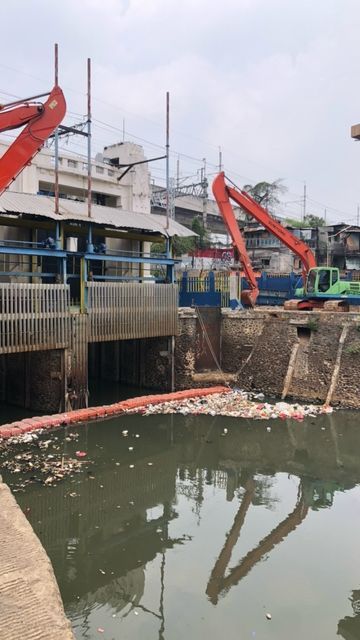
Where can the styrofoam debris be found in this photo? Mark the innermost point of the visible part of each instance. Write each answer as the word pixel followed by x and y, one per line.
pixel 237 404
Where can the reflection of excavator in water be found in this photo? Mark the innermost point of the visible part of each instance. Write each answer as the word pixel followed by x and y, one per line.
pixel 322 287
pixel 39 121
pixel 310 494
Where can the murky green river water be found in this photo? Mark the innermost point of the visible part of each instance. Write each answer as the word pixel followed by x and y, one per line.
pixel 179 531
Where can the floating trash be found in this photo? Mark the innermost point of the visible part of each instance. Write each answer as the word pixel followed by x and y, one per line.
pixel 236 404
pixel 35 463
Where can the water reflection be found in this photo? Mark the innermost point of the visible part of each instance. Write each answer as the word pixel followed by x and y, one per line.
pixel 158 536
pixel 349 627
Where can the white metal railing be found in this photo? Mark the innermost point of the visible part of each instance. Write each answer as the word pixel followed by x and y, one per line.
pixel 123 311
pixel 34 317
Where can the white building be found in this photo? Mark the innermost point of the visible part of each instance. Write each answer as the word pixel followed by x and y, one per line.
pixel 131 193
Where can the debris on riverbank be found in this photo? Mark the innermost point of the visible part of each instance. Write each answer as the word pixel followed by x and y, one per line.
pixel 237 404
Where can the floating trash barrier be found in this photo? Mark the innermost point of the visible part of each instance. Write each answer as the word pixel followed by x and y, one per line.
pixel 21 430
pixel 212 401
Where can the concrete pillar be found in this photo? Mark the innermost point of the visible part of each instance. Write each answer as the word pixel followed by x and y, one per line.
pixel 45 381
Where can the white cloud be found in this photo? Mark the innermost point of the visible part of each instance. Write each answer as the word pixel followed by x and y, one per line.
pixel 273 82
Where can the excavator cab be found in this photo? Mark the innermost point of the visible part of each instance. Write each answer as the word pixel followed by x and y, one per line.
pixel 320 280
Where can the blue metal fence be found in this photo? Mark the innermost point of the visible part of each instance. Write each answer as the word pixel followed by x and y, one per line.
pixel 199 291
pixel 212 289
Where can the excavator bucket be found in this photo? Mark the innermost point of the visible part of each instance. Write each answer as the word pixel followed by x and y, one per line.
pixel 249 297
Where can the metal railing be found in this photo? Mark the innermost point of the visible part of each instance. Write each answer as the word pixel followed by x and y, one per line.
pixel 207 283
pixel 124 311
pixel 34 317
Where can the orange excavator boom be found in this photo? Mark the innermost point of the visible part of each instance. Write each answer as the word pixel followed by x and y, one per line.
pixel 223 193
pixel 39 121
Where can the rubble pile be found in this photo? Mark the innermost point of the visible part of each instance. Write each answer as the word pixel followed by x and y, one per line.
pixel 236 404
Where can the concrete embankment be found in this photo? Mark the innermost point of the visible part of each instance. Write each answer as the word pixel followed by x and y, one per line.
pixel 311 356
pixel 30 602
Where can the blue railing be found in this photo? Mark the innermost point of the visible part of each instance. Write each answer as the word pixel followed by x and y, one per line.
pixel 198 291
pixel 212 289
pixel 274 288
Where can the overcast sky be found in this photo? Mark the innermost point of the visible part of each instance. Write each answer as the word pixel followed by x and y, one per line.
pixel 275 83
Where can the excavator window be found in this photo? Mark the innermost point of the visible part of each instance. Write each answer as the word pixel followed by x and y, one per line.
pixel 324 280
pixel 311 280
pixel 334 277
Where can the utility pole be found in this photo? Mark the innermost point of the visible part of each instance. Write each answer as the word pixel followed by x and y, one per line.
pixel 89 134
pixel 178 172
pixel 357 215
pixel 304 202
pixel 220 160
pixel 167 146
pixel 205 193
pixel 56 138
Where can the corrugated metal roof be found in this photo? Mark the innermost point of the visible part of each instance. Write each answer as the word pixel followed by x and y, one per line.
pixel 29 204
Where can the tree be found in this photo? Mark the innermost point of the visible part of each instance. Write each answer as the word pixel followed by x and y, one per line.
pixel 314 221
pixel 203 240
pixel 309 221
pixel 183 246
pixel 180 246
pixel 266 193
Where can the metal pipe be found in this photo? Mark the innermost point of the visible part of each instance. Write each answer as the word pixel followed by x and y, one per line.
pixel 22 100
pixel 89 133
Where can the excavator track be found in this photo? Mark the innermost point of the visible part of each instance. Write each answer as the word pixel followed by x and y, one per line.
pixel 336 306
pixel 291 305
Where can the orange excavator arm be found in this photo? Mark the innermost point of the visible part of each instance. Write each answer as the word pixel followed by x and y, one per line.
pixel 39 121
pixel 223 194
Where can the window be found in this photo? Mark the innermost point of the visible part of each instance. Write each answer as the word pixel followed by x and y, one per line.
pixel 310 286
pixel 111 172
pixel 99 169
pixel 334 277
pixel 52 162
pixel 324 280
pixel 72 164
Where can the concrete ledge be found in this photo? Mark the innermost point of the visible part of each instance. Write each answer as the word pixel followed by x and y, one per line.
pixel 30 602
pixel 214 377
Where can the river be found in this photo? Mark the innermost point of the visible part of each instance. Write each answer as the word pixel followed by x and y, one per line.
pixel 198 527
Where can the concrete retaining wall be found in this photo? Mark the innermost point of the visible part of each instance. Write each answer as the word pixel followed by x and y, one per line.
pixel 30 603
pixel 258 346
